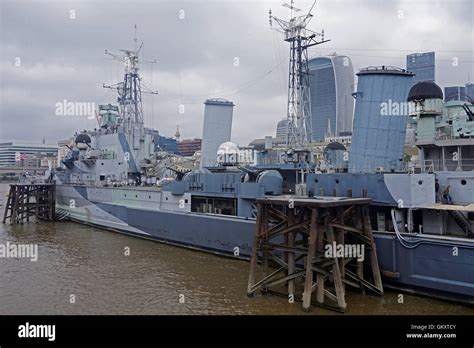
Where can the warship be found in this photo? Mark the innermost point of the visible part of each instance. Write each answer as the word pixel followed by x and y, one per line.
pixel 422 214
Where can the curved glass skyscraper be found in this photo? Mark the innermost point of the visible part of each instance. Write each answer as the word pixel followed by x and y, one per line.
pixel 331 86
pixel 282 128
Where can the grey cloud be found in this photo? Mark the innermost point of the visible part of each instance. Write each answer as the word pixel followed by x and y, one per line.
pixel 64 58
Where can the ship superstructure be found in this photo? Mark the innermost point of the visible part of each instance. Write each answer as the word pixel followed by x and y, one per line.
pixel 423 215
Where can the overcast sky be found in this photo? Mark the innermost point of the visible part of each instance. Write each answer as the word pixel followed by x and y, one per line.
pixel 62 58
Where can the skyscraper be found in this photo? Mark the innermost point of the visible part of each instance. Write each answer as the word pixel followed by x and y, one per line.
pixel 470 92
pixel 422 65
pixel 216 129
pixel 282 127
pixel 331 83
pixel 455 93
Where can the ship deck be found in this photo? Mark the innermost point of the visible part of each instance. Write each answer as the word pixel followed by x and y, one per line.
pixel 137 188
pixel 456 207
pixel 315 202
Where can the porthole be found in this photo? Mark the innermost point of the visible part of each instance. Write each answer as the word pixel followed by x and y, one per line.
pixel 420 182
pixel 463 182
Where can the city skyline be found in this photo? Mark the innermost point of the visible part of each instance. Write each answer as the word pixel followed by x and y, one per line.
pixel 462 93
pixel 214 57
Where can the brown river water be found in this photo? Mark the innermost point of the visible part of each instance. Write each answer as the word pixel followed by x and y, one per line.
pixel 84 270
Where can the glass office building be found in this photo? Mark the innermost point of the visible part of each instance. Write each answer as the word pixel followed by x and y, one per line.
pixel 9 151
pixel 331 86
pixel 282 128
pixel 470 92
pixel 422 65
pixel 165 144
pixel 455 93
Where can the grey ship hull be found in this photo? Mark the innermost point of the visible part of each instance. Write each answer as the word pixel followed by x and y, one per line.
pixel 208 232
pixel 429 269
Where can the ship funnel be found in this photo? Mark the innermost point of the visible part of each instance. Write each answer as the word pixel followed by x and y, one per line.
pixel 380 119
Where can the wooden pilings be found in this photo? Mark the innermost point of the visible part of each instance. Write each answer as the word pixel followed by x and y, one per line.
pixel 308 245
pixel 30 200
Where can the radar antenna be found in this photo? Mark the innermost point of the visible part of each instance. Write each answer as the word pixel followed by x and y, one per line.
pixel 130 90
pixel 300 39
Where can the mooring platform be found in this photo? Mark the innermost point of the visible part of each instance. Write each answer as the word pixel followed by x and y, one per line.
pixel 30 200
pixel 293 235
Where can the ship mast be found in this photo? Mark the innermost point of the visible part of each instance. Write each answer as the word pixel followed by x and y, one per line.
pixel 299 107
pixel 130 90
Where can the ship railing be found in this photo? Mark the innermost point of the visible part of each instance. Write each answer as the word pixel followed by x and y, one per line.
pixel 444 136
pixel 426 166
pixel 269 161
pixel 381 169
pixel 429 166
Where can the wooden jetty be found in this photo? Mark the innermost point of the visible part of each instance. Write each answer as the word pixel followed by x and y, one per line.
pixel 30 200
pixel 291 240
